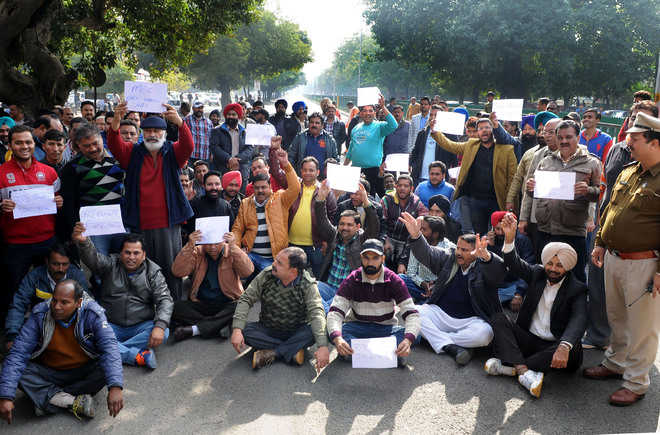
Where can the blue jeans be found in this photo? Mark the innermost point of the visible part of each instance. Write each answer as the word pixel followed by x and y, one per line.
pixel 415 291
pixel 351 330
pixel 327 293
pixel 133 339
pixel 507 293
pixel 475 214
pixel 314 258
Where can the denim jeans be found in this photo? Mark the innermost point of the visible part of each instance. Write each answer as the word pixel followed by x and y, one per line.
pixel 327 293
pixel 351 330
pixel 314 258
pixel 133 339
pixel 415 291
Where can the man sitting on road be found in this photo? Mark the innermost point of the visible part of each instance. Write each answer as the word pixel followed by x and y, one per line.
pixel 367 301
pixel 65 353
pixel 216 271
pixel 134 295
pixel 38 286
pixel 463 298
pixel 552 318
pixel 291 317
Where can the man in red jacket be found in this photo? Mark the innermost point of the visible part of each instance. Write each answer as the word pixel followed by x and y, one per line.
pixel 28 239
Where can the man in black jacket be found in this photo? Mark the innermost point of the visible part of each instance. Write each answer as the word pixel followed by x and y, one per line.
pixel 417 155
pixel 211 203
pixel 552 318
pixel 227 144
pixel 463 298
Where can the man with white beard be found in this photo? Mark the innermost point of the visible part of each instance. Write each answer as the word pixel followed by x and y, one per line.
pixel 155 204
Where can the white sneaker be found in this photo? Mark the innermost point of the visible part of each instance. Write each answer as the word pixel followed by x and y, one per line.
pixel 494 367
pixel 532 381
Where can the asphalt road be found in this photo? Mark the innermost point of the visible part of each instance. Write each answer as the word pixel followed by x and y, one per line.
pixel 201 387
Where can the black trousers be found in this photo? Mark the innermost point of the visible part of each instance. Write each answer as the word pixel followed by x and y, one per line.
pixel 210 317
pixel 371 174
pixel 516 346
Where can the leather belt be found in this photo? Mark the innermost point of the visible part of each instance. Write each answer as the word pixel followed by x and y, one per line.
pixel 641 255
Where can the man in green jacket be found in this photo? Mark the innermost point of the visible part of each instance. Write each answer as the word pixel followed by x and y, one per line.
pixel 292 316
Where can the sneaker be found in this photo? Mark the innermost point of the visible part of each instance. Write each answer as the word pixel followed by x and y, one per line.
pixel 532 381
pixel 299 357
pixel 146 358
pixel 494 367
pixel 262 358
pixel 83 405
pixel 461 355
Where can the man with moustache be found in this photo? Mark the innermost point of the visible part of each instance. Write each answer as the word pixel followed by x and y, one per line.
pixel 521 145
pixel 210 204
pixel 155 202
pixel 227 143
pixel 200 128
pixel 314 141
pixel 280 116
pixel 231 190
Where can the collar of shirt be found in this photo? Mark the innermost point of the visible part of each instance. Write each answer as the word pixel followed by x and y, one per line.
pixel 51 281
pixel 70 322
pixel 259 205
pixel 292 283
pixel 554 287
pixel 379 280
pixel 466 271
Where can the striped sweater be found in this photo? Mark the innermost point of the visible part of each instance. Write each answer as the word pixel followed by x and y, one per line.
pixel 358 300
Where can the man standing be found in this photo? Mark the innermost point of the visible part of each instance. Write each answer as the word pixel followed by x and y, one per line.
pixel 314 141
pixel 397 141
pixel 566 220
pixel 280 116
pixel 334 126
pixel 230 153
pixel 488 107
pixel 296 123
pixel 27 240
pixel 291 316
pixel 596 141
pixel 632 271
pixel 155 203
pixel 54 145
pixel 366 147
pixel 87 111
pixel 200 128
pixel 413 108
pixel 214 117
pixel 419 121
pixel 426 151
pixel 485 176
pixel 128 131
pixel 134 295
pixel 200 168
pixel 231 190
pixel 436 184
pixel 302 223
pixel 522 144
pixel 216 271
pixel 65 353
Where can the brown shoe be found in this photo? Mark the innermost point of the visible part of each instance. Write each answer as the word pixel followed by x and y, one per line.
pixel 624 397
pixel 262 358
pixel 600 372
pixel 299 358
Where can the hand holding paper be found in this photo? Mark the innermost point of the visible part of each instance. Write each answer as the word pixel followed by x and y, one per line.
pixel 368 96
pixel 145 96
pixel 449 122
pixel 213 229
pixel 374 353
pixel 37 201
pixel 100 220
pixel 508 110
pixel 554 185
pixel 258 134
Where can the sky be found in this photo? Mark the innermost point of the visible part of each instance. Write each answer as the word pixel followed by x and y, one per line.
pixel 327 23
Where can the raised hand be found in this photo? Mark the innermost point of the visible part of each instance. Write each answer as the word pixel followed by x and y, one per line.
pixel 120 112
pixel 493 119
pixel 194 237
pixel 78 231
pixel 481 248
pixel 509 226
pixel 324 191
pixel 172 115
pixel 414 226
pixel 276 142
pixel 362 192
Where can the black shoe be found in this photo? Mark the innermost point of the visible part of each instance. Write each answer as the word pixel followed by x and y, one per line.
pixel 461 355
pixel 182 333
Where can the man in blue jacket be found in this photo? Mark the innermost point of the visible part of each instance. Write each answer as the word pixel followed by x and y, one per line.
pixel 38 286
pixel 65 353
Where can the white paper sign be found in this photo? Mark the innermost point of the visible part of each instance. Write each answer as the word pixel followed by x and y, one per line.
pixel 449 122
pixel 508 110
pixel 145 96
pixel 212 228
pixel 368 96
pixel 258 134
pixel 37 201
pixel 453 172
pixel 554 185
pixel 345 178
pixel 374 353
pixel 100 220
pixel 397 162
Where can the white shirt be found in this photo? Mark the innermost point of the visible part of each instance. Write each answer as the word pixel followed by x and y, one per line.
pixel 541 319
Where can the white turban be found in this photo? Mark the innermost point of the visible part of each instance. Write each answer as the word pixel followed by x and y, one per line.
pixel 563 251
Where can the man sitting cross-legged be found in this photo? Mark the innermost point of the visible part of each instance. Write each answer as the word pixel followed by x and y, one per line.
pixel 464 295
pixel 291 318
pixel 367 300
pixel 134 294
pixel 552 318
pixel 216 271
pixel 64 354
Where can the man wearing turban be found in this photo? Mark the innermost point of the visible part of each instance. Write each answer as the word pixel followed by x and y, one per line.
pixel 231 190
pixel 520 144
pixel 296 123
pixel 227 143
pixel 552 320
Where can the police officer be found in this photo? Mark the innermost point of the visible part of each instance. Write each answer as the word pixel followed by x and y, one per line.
pixel 628 244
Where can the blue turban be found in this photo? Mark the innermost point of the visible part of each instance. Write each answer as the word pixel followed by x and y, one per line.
pixel 543 118
pixel 527 120
pixel 5 120
pixel 297 105
pixel 463 111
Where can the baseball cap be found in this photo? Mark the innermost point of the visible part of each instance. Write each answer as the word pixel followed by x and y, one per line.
pixel 197 104
pixel 372 245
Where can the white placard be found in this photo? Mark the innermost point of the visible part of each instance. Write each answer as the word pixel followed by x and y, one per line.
pixel 397 162
pixel 212 228
pixel 100 220
pixel 258 134
pixel 344 178
pixel 508 110
pixel 453 172
pixel 145 96
pixel 554 185
pixel 36 201
pixel 368 96
pixel 374 353
pixel 449 122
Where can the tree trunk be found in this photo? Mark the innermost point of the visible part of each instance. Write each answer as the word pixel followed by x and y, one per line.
pixel 226 94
